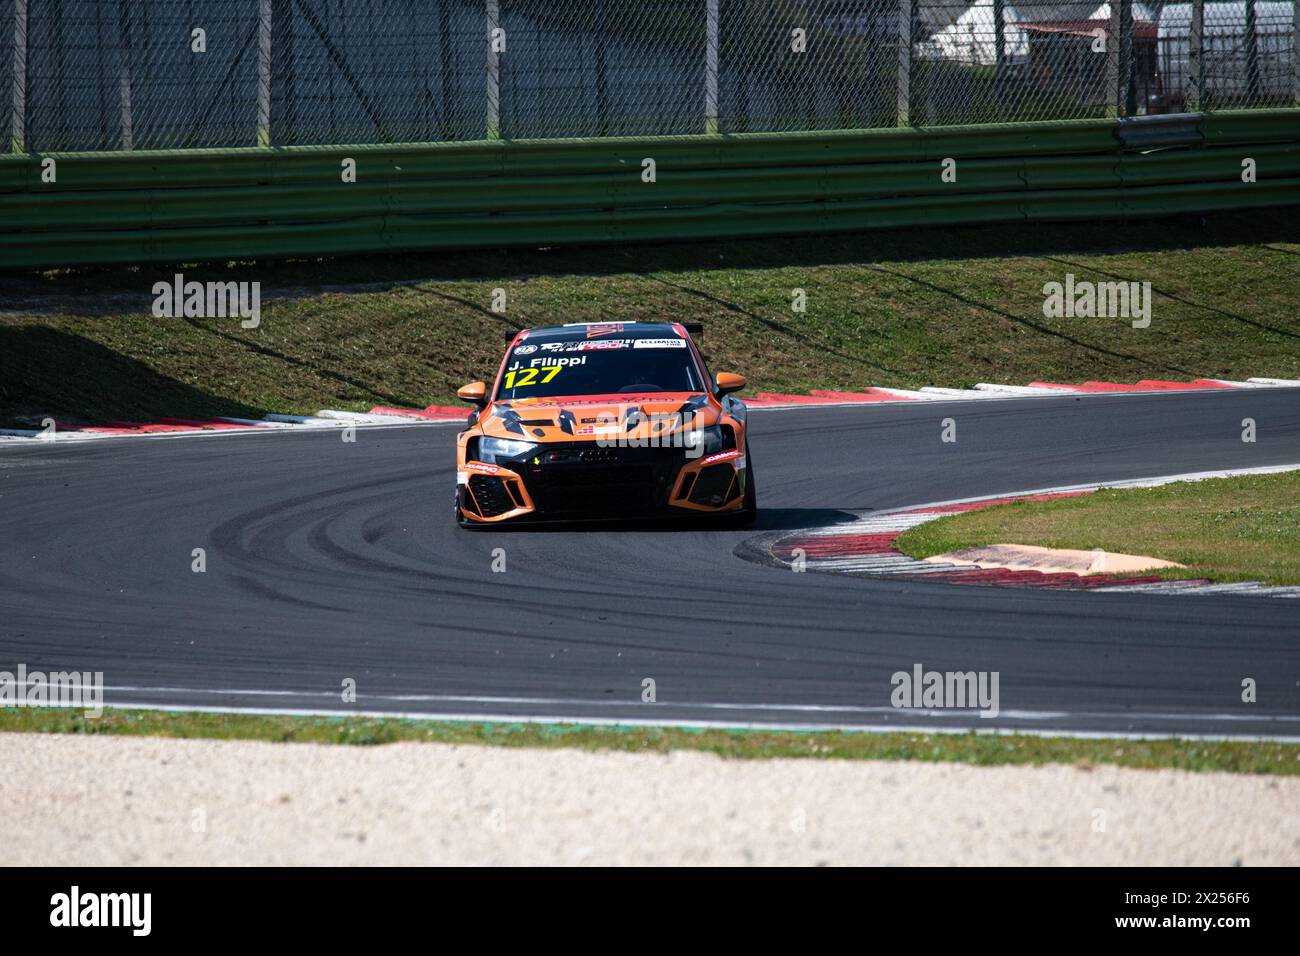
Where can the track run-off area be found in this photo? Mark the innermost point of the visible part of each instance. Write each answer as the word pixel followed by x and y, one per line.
pixel 328 561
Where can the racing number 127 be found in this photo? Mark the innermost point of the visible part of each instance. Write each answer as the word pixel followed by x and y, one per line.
pixel 524 377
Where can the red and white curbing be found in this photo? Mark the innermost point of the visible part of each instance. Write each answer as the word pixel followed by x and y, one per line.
pixel 865 547
pixel 443 414
pixel 179 428
pixel 986 391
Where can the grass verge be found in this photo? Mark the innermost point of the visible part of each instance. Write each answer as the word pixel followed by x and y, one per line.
pixel 972 748
pixel 904 309
pixel 1227 529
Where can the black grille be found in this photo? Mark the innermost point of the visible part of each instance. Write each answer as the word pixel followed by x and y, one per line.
pixel 590 476
pixel 586 454
pixel 490 494
pixel 589 479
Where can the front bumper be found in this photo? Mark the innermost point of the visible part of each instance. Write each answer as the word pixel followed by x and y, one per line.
pixel 581 481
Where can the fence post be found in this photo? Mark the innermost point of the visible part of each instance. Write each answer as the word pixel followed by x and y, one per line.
pixel 263 72
pixel 1195 58
pixel 711 29
pixel 18 141
pixel 906 25
pixel 1252 53
pixel 1128 90
pixel 999 46
pixel 602 89
pixel 1295 51
pixel 493 71
pixel 124 74
pixel 1112 61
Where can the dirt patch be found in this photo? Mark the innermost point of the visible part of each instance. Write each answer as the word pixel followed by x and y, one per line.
pixel 108 801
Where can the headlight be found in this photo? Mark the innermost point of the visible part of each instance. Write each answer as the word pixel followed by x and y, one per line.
pixel 706 441
pixel 491 450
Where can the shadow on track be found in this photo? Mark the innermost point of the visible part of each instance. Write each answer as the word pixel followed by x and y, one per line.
pixel 769 519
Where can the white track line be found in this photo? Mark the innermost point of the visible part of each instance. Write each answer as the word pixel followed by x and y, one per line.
pixel 473 718
pixel 1149 482
pixel 940 713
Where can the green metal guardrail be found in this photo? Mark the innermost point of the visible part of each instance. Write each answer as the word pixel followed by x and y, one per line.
pixel 216 204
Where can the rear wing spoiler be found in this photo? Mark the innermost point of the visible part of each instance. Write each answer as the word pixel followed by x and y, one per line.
pixel 694 328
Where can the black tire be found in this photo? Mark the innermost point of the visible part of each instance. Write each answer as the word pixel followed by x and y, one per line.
pixel 748 513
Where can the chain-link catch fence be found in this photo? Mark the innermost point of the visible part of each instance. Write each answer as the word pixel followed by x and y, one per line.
pixel 151 74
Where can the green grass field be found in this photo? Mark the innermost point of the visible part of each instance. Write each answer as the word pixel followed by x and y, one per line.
pixel 1226 529
pixel 904 309
pixel 980 749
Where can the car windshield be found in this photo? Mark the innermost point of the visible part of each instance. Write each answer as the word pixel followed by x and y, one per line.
pixel 599 367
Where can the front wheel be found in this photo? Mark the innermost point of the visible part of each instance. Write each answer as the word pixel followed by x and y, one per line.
pixel 749 511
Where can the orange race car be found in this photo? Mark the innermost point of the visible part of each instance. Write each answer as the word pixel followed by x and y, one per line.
pixel 601 420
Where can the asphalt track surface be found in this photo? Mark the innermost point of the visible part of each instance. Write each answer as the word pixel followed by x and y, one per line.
pixel 328 560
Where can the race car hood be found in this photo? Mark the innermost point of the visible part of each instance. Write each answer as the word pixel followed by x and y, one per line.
pixel 592 417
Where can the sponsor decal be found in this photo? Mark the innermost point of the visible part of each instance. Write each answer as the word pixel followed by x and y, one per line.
pixel 578 400
pixel 598 430
pixel 517 377
pixel 595 331
pixel 659 344
pixel 599 345
pixel 722 456
pixel 479 466
pixel 548 361
pixel 526 350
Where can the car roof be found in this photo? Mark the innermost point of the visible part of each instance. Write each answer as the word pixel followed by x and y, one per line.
pixel 577 331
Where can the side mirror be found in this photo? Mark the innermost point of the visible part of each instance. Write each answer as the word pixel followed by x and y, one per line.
pixel 475 393
pixel 729 382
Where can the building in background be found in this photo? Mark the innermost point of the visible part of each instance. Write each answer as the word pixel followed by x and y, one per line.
pixel 1246 53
